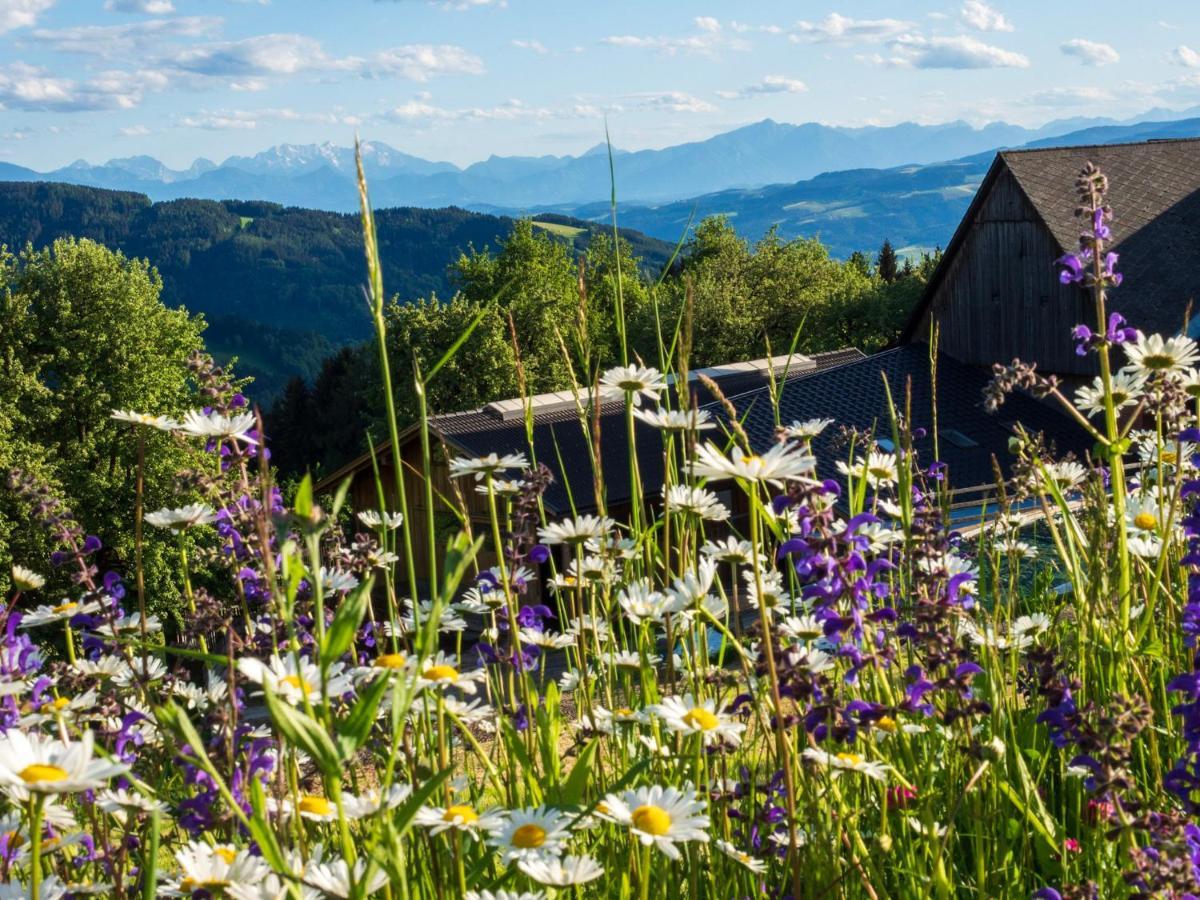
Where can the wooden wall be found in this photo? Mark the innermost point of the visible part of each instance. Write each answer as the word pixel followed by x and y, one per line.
pixel 1001 298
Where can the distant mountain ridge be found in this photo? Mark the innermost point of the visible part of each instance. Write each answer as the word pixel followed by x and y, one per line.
pixel 320 176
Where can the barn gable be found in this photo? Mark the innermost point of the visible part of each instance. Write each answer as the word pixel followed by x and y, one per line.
pixel 996 294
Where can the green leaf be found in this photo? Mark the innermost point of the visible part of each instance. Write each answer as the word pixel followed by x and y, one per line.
pixel 357 725
pixel 303 504
pixel 261 832
pixel 303 731
pixel 346 620
pixel 572 791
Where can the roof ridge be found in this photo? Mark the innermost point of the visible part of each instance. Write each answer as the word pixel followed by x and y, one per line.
pixel 805 376
pixel 1145 142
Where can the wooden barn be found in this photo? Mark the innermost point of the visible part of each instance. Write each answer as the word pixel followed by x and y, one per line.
pixel 996 294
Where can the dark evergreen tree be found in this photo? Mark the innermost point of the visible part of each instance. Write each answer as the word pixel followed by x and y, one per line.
pixel 887 267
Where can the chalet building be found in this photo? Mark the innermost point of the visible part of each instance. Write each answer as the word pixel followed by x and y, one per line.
pixel 996 294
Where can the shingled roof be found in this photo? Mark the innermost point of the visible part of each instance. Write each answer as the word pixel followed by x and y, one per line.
pixel 853 394
pixel 560 443
pixel 1154 189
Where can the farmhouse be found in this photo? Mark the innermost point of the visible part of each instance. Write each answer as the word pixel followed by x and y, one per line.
pixel 996 294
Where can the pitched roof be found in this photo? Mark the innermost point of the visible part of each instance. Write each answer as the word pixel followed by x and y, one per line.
pixel 853 395
pixel 560 443
pixel 1154 189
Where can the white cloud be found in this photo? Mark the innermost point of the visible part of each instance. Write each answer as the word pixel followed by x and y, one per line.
pixel 149 7
pixel 461 5
pixel 421 110
pixel 536 46
pixel 1186 56
pixel 770 84
pixel 835 27
pixel 960 52
pixel 742 28
pixel 134 40
pixel 267 54
pixel 709 40
pixel 1091 53
pixel 247 119
pixel 671 101
pixel 420 62
pixel 21 13
pixel 134 131
pixel 33 89
pixel 978 15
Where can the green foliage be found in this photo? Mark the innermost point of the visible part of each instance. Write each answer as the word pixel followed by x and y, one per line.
pixel 281 286
pixel 744 298
pixel 420 333
pixel 82 332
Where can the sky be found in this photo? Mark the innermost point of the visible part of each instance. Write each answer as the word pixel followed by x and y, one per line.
pixel 461 80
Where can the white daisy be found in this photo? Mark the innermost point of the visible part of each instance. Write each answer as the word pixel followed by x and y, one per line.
pixel 561 872
pixel 676 419
pixel 576 530
pixel 687 715
pixel 67 609
pixel 783 462
pixel 1151 354
pixel 459 816
pixel 1066 475
pixel 1127 388
pixel 163 423
pixel 217 425
pixel 120 802
pixel 632 381
pixel 806 430
pixel 213 870
pixel 530 833
pixel 372 519
pixel 441 671
pixel 182 518
pixel 879 469
pixel 698 502
pixel 752 863
pixel 293 682
pixel 504 895
pixel 38 764
pixel 729 550
pixel 641 603
pixel 837 763
pixel 658 816
pixel 26 579
pixel 482 466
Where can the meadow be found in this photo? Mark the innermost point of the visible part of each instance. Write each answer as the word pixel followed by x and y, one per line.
pixel 843 698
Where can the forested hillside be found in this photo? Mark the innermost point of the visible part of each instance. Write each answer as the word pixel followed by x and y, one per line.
pixel 281 286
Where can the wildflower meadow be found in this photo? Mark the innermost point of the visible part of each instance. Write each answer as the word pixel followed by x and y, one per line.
pixel 853 695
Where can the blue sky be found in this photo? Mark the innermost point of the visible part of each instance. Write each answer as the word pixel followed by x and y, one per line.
pixel 463 79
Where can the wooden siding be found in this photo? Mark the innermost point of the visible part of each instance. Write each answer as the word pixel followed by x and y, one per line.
pixel 1001 298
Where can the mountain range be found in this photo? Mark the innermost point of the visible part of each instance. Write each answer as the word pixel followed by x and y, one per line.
pixel 320 176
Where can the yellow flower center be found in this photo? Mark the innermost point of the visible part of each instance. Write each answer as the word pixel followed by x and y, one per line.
pixel 887 723
pixel 1170 457
pixel 441 673
pixel 15 839
pixel 852 759
pixel 391 661
pixel 623 711
pixel 298 683
pixel 529 837
pixel 64 607
pixel 1145 521
pixel 701 718
pixel 62 702
pixel 315 805
pixel 39 772
pixel 228 854
pixel 570 579
pixel 751 460
pixel 463 814
pixel 651 820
